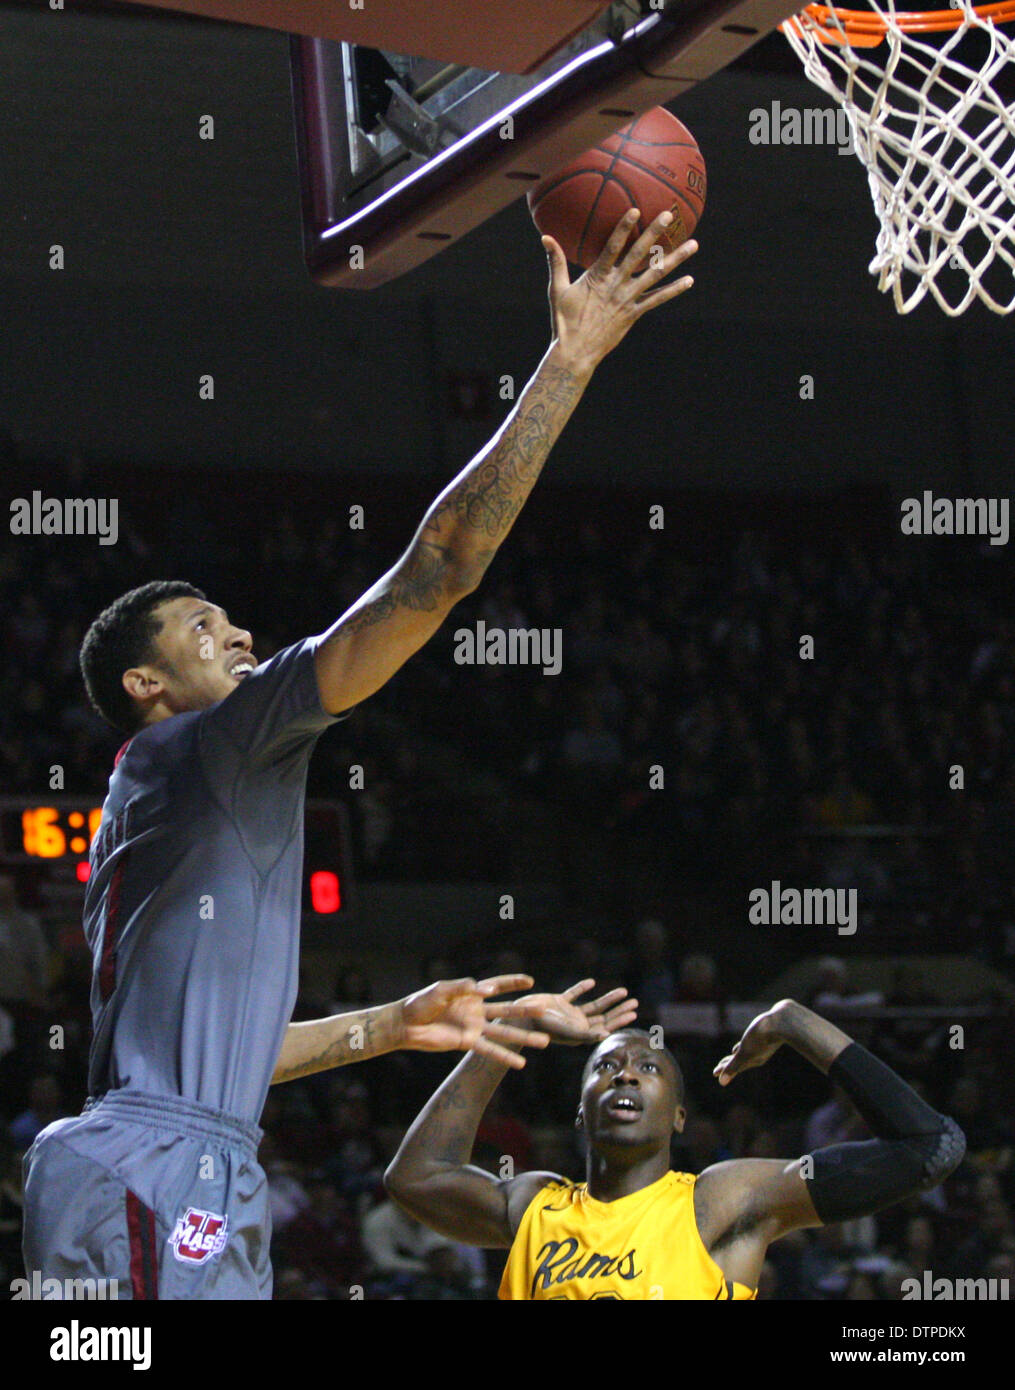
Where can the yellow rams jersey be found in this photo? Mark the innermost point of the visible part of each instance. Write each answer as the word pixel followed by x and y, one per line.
pixel 642 1246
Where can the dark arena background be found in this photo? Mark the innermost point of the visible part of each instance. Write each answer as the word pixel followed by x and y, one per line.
pixel 763 677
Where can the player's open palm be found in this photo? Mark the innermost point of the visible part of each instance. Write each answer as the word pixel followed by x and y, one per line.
pixel 566 1021
pixel 590 317
pixel 454 1016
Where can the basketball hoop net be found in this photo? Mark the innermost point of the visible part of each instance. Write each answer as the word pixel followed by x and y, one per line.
pixel 936 137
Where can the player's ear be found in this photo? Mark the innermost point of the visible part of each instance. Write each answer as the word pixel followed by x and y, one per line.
pixel 142 682
pixel 679 1119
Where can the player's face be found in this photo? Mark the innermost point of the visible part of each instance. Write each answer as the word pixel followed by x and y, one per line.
pixel 629 1096
pixel 202 658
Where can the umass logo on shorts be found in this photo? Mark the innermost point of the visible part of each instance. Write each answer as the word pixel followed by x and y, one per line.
pixel 198 1236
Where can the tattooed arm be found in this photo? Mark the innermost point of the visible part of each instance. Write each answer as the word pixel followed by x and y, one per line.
pixel 452 548
pixel 450 1016
pixel 431 1177
pixel 464 527
pixel 337 1041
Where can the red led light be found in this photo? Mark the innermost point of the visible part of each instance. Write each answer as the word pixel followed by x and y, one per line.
pixel 83 869
pixel 325 893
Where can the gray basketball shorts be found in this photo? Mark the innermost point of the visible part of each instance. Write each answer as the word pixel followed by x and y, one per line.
pixel 162 1195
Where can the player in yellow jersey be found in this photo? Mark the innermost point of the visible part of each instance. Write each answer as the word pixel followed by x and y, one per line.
pixel 635 1229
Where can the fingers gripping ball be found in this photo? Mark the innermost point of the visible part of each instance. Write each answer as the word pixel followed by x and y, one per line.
pixel 652 164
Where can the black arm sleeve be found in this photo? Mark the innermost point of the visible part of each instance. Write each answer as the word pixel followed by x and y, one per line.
pixel 916 1148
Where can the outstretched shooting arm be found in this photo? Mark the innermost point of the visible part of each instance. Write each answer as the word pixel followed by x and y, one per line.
pixel 467 523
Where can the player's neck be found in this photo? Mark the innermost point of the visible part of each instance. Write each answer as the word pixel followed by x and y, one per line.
pixel 610 1178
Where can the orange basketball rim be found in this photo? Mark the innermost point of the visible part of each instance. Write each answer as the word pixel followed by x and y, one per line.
pixel 867 28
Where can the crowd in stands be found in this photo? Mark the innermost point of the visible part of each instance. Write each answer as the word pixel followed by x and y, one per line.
pixel 693 726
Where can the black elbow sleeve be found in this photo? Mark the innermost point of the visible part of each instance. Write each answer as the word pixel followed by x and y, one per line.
pixel 948 1153
pixel 850 1180
pixel 916 1148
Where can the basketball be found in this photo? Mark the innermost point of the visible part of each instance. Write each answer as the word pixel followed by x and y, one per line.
pixel 653 164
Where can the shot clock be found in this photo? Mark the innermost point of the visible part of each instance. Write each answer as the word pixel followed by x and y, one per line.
pixel 54 833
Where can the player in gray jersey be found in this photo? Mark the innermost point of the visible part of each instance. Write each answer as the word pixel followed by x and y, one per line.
pixel 193 904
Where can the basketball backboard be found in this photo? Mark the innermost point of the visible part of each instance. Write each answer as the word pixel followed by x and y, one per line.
pixel 400 155
pixel 509 35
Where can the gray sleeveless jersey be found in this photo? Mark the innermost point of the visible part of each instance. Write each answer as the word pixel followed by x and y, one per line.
pixel 192 909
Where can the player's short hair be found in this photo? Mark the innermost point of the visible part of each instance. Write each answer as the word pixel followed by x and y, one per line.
pixel 678 1075
pixel 122 636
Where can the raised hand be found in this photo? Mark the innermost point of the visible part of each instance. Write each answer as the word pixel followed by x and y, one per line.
pixel 762 1038
pixel 590 317
pixel 453 1016
pixel 567 1022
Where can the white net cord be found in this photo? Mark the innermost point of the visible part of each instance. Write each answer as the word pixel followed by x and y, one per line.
pixel 938 143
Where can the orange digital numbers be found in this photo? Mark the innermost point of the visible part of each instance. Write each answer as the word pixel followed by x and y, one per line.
pixel 43 837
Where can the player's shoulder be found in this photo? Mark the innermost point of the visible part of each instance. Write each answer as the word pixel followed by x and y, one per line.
pixel 280 689
pixel 674 1186
pixel 720 1177
pixel 147 751
pixel 727 1191
pixel 737 1172
pixel 523 1190
pixel 293 662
